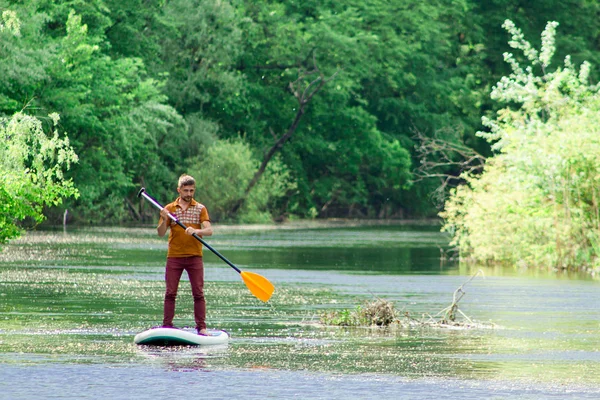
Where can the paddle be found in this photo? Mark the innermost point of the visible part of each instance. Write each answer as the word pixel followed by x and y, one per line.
pixel 259 286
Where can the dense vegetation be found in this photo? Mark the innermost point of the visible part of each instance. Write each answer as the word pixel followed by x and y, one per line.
pixel 31 163
pixel 537 201
pixel 331 98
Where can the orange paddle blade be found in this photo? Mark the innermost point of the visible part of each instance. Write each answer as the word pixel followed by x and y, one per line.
pixel 259 285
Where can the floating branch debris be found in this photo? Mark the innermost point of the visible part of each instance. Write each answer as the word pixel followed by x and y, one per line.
pixel 383 313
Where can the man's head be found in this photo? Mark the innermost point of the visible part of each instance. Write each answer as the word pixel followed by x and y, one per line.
pixel 186 180
pixel 186 187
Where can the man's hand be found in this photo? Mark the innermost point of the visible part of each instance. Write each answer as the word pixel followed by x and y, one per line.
pixel 190 231
pixel 164 213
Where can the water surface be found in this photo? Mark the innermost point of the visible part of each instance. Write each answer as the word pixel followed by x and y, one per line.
pixel 70 304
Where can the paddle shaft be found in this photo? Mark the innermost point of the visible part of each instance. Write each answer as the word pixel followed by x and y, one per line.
pixel 157 205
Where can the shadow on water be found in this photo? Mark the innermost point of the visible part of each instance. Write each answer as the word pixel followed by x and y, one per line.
pixel 74 301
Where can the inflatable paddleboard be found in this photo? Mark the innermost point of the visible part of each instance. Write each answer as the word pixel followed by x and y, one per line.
pixel 179 337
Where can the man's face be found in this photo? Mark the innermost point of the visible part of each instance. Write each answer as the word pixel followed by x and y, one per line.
pixel 186 193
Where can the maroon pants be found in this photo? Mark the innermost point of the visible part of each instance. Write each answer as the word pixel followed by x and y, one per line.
pixel 195 270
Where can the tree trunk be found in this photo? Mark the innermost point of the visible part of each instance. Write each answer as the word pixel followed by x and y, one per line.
pixel 303 98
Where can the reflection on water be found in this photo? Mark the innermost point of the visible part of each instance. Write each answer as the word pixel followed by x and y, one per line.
pixel 183 358
pixel 71 304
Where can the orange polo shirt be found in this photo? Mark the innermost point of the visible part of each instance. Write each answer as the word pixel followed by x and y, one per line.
pixel 180 244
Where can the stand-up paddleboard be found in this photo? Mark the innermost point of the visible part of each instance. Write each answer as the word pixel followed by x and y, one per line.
pixel 179 337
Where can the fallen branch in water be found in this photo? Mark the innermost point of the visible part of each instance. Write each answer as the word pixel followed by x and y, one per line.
pixel 450 311
pixel 383 313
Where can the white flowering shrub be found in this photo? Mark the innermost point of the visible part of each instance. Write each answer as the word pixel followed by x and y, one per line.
pixel 537 202
pixel 32 168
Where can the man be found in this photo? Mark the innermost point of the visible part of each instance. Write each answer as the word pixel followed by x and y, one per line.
pixel 185 252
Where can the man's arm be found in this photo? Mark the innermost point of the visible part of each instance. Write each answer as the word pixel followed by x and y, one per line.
pixel 163 225
pixel 205 231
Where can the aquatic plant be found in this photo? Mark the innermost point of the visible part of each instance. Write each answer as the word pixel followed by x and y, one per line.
pixel 379 312
pixel 383 313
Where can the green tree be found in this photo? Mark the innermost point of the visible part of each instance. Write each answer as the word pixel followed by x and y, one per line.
pixel 32 169
pixel 143 85
pixel 117 118
pixel 32 165
pixel 224 169
pixel 536 203
pixel 330 153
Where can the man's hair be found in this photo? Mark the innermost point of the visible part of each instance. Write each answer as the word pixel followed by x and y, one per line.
pixel 186 180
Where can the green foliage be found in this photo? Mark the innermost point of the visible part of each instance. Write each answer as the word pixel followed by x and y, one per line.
pixel 142 85
pixel 344 317
pixel 10 22
pixel 115 114
pixel 344 163
pixel 201 44
pixel 31 171
pixel 222 173
pixel 23 63
pixel 536 203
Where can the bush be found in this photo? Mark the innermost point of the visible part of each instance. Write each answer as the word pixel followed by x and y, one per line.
pixel 31 171
pixel 536 203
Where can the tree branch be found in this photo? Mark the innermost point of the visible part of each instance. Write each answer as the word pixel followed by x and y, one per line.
pixel 446 161
pixel 304 97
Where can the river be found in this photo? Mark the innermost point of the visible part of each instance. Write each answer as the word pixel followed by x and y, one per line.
pixel 71 302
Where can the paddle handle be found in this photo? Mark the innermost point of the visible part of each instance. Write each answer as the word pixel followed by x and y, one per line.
pixel 156 204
